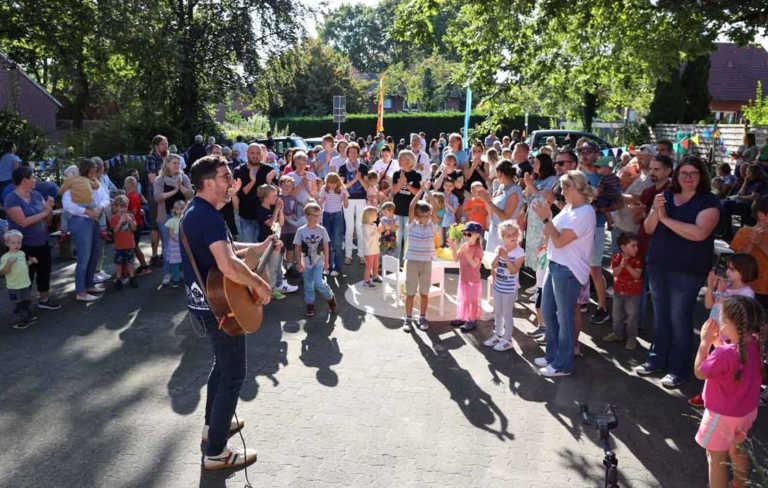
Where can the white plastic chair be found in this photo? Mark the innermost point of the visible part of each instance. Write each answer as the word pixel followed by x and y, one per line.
pixel 390 273
pixel 437 286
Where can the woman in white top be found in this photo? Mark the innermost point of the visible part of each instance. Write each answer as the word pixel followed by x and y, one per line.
pixel 84 228
pixel 505 203
pixel 304 186
pixel 570 236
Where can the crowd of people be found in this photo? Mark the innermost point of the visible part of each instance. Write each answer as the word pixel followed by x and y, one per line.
pixel 548 209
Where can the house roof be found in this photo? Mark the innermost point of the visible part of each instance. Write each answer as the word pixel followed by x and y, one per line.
pixel 37 85
pixel 735 71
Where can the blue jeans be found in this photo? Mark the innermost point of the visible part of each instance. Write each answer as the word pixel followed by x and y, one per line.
pixel 644 296
pixel 313 280
pixel 165 235
pixel 674 297
pixel 87 241
pixel 249 231
pixel 401 235
pixel 558 306
pixel 334 225
pixel 224 383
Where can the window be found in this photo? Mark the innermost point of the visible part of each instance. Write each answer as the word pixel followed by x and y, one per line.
pixel 388 103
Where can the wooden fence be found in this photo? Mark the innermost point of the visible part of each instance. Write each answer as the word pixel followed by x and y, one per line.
pixel 732 136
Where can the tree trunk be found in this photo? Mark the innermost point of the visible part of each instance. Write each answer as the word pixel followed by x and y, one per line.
pixel 82 94
pixel 588 110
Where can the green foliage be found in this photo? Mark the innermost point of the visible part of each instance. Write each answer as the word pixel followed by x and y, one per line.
pixel 30 142
pixel 402 124
pixel 695 81
pixel 633 133
pixel 756 111
pixel 668 105
pixel 254 127
pixel 427 83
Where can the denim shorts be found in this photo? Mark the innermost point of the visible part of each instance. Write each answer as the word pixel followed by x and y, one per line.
pixel 124 256
pixel 598 247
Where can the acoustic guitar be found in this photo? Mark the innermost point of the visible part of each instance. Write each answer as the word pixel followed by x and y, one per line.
pixel 234 305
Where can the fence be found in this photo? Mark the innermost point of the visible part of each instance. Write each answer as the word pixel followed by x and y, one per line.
pixel 732 136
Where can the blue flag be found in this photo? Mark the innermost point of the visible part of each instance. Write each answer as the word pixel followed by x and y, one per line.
pixel 467 113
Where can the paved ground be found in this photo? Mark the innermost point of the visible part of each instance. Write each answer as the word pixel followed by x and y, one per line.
pixel 113 395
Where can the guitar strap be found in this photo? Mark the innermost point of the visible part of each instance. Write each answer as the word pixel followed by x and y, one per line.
pixel 191 256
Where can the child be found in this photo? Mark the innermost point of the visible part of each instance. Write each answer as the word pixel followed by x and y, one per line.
pixel 742 269
pixel 372 189
pixel 268 214
pixel 292 214
pixel 334 199
pixel 451 203
pixel 470 258
pixel 628 289
pixel 419 254
pixel 14 265
pixel 388 228
pixel 123 226
pixel 732 374
pixel 134 208
pixel 608 190
pixel 474 206
pixel 438 199
pixel 313 241
pixel 717 185
pixel 81 190
pixel 371 246
pixel 174 251
pixel 507 263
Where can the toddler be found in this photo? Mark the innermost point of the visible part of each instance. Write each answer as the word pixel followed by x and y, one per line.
pixel 123 226
pixel 474 207
pixel 292 213
pixel 269 213
pixel 419 254
pixel 608 190
pixel 134 208
pixel 14 265
pixel 732 372
pixel 628 288
pixel 451 204
pixel 388 228
pixel 371 246
pixel 373 195
pixel 507 263
pixel 470 258
pixel 81 189
pixel 174 251
pixel 438 199
pixel 334 199
pixel 312 240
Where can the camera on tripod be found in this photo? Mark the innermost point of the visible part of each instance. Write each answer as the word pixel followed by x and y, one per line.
pixel 605 422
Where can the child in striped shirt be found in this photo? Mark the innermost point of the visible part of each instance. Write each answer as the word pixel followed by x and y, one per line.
pixel 333 199
pixel 507 263
pixel 419 254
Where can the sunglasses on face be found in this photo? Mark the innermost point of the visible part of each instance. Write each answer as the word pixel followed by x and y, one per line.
pixel 467 234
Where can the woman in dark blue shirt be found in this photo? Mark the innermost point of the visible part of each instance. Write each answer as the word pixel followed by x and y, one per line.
pixel 680 253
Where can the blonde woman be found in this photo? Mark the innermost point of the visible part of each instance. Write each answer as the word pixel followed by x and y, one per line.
pixel 352 174
pixel 170 186
pixel 570 237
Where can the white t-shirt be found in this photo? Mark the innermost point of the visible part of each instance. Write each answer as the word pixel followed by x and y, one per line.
pixel 303 194
pixel 337 162
pixel 426 171
pixel 242 149
pixel 379 167
pixel 575 255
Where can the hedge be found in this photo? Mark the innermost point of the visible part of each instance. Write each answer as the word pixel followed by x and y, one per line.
pixel 400 125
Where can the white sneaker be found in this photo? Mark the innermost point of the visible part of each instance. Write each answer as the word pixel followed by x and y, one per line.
pixel 287 288
pixel 326 272
pixel 233 428
pixel 230 458
pixel 541 362
pixel 98 279
pixel 492 341
pixel 334 273
pixel 551 372
pixel 503 346
pixel 103 275
pixel 166 279
pixel 87 298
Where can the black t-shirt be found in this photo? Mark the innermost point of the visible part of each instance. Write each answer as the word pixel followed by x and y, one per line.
pixel 455 175
pixel 250 202
pixel 468 180
pixel 203 225
pixel 356 191
pixel 403 198
pixel 262 216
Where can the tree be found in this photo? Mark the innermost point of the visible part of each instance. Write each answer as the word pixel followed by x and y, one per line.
pixel 428 82
pixel 756 111
pixel 695 83
pixel 358 32
pixel 668 105
pixel 564 53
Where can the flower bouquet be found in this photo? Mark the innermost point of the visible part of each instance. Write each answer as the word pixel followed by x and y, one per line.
pixel 456 232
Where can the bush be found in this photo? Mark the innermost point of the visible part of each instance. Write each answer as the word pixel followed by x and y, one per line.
pixel 633 134
pixel 30 142
pixel 401 125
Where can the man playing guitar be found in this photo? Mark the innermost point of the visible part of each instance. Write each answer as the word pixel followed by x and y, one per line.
pixel 211 246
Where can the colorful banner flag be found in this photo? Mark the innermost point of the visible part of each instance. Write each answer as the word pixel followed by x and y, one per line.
pixel 380 121
pixel 606 152
pixel 567 137
pixel 686 143
pixel 467 113
pixel 706 133
pixel 695 139
pixel 615 151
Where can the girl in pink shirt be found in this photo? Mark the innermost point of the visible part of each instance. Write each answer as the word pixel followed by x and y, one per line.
pixel 733 373
pixel 470 258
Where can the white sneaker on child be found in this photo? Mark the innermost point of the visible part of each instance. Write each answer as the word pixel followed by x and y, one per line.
pixel 492 341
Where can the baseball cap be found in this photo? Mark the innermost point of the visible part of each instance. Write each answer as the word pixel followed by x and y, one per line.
pixel 645 150
pixel 588 146
pixel 604 161
pixel 473 227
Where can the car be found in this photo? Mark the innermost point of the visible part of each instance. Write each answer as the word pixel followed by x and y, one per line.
pixel 538 138
pixel 280 144
pixel 313 141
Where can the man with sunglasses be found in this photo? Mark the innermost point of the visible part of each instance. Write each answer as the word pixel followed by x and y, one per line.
pixel 565 161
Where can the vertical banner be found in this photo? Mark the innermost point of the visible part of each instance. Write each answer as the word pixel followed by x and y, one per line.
pixel 467 113
pixel 380 122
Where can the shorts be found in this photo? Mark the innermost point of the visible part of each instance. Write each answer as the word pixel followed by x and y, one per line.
pixel 152 213
pixel 137 237
pixel 718 432
pixel 287 240
pixel 598 247
pixel 18 296
pixel 418 275
pixel 124 256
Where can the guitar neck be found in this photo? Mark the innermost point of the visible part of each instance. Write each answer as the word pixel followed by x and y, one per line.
pixel 276 228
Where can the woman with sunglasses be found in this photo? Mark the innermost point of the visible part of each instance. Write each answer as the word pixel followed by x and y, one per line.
pixel 682 229
pixel 570 236
pixel 505 203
